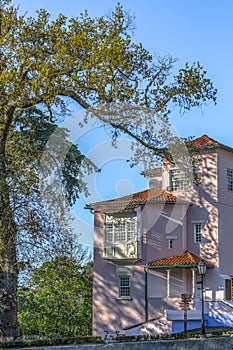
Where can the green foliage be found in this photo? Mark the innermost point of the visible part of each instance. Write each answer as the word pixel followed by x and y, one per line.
pixel 93 61
pixel 58 301
pixel 45 341
pixel 38 238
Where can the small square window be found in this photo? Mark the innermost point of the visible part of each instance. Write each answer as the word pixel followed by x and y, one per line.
pixel 230 180
pixel 124 286
pixel 180 180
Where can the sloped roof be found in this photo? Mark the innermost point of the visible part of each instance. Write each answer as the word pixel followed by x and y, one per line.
pixel 186 259
pixel 205 142
pixel 152 196
pixel 153 172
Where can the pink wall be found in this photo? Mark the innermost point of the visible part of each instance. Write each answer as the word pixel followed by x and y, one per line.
pixel 225 214
pixel 211 204
pixel 110 313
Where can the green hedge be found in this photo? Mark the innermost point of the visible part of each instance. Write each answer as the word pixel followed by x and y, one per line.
pixel 23 343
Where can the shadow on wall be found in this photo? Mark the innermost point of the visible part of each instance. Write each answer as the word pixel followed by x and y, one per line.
pixel 111 314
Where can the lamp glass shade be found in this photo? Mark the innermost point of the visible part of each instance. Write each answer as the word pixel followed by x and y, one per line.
pixel 201 267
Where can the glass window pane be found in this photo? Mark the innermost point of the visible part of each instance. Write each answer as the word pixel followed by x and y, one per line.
pixel 124 286
pixel 180 180
pixel 119 229
pixel 108 231
pixel 229 179
pixel 197 233
pixel 131 229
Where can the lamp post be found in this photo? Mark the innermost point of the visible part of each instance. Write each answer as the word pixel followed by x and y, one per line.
pixel 202 271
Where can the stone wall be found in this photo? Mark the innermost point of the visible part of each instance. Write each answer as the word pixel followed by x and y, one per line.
pixel 223 343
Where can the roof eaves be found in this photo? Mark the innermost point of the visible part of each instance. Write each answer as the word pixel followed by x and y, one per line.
pixel 174 266
pixel 120 204
pixel 168 202
pixel 152 172
pixel 201 148
pixel 169 266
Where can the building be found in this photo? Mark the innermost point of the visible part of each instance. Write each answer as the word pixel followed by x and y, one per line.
pixel 147 247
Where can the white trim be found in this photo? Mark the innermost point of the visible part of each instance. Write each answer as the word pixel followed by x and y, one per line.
pixel 171 237
pixel 124 270
pixel 180 179
pixel 168 282
pixel 122 286
pixel 193 282
pixel 197 221
pixel 120 229
pixel 197 234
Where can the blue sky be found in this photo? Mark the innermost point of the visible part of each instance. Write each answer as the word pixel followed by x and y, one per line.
pixel 188 30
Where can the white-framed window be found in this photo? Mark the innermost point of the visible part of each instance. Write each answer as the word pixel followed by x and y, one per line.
pixel 180 180
pixel 171 243
pixel 230 180
pixel 120 229
pixel 108 231
pixel 197 228
pixel 124 286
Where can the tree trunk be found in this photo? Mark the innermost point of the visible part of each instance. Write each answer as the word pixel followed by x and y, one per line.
pixel 8 263
pixel 8 306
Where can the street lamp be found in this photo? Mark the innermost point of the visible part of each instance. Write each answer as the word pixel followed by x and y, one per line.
pixel 202 270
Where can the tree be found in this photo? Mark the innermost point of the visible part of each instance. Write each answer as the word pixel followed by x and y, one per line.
pixel 38 238
pixel 59 299
pixel 95 62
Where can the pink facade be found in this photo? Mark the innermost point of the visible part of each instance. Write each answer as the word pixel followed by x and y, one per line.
pixel 173 219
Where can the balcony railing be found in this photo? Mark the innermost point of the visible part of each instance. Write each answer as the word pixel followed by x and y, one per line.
pixel 130 250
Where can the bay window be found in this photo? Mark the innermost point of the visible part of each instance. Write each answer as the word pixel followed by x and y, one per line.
pixel 121 237
pixel 120 229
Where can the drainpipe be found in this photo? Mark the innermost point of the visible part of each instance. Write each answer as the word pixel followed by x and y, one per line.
pixel 146 295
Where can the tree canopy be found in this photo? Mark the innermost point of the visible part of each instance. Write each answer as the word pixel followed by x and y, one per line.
pixel 95 62
pixel 58 299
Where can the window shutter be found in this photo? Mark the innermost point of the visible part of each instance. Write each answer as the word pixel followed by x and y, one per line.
pixel 228 289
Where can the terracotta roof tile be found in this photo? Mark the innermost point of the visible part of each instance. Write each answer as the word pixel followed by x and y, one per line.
pixel 186 259
pixel 205 142
pixel 200 143
pixel 130 202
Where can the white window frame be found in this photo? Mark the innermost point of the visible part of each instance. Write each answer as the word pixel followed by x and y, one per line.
pixel 180 180
pixel 124 287
pixel 197 230
pixel 230 180
pixel 120 229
